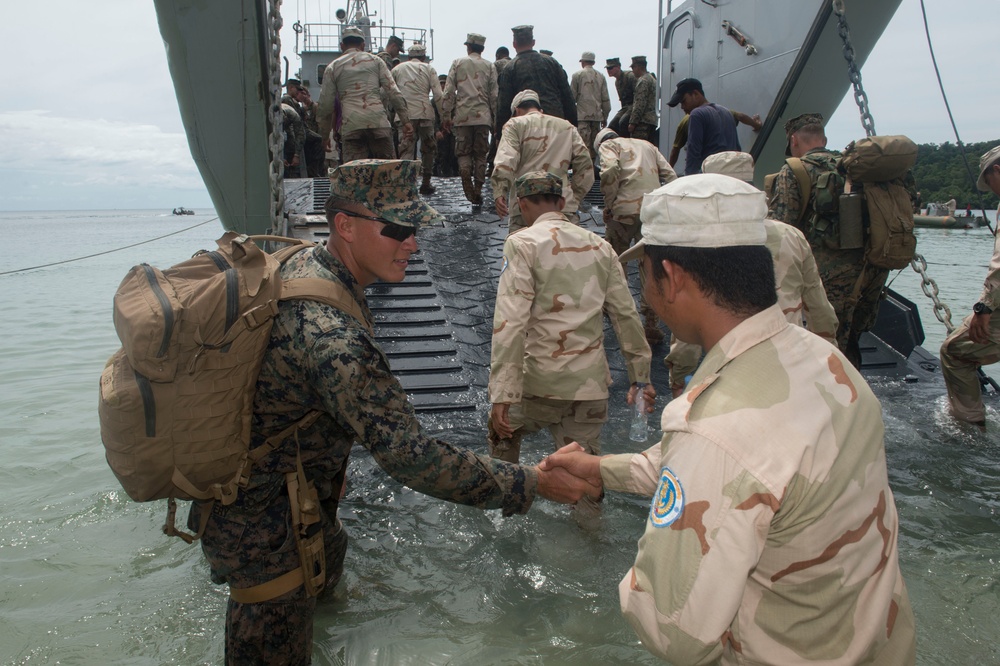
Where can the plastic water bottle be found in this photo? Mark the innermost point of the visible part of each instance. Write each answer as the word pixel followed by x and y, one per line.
pixel 639 432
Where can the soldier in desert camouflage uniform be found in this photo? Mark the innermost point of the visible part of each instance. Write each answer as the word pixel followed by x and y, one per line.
pixel 469 108
pixel 324 374
pixel 772 533
pixel 977 341
pixel 625 87
pixel 355 82
pixel 535 141
pixel 418 82
pixel 590 90
pixel 642 119
pixel 630 168
pixel 548 366
pixel 853 286
pixel 801 296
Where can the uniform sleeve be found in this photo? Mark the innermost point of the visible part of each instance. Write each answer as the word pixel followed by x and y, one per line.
pixel 574 85
pixel 492 93
pixel 706 530
pixel 666 172
pixel 583 168
pixel 681 361
pixel 620 307
pixel 437 96
pixel 605 100
pixel 505 162
pixel 636 473
pixel 515 294
pixel 991 285
pixel 327 102
pixel 448 105
pixel 786 200
pixel 610 171
pixel 391 90
pixel 352 378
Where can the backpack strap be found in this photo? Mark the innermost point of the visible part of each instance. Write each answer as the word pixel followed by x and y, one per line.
pixel 325 291
pixel 805 186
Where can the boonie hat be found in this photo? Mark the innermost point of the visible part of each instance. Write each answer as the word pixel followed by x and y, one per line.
pixel 351 31
pixel 522 97
pixel 604 135
pixel 613 62
pixel 985 162
pixel 797 123
pixel 388 188
pixel 588 56
pixel 475 39
pixel 538 182
pixel 704 210
pixel 730 163
pixel 416 50
pixel 684 86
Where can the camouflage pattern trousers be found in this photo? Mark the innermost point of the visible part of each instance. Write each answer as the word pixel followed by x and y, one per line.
pixel 960 360
pixel 644 131
pixel 854 289
pixel 621 234
pixel 368 143
pixel 472 144
pixel 423 131
pixel 620 122
pixel 253 544
pixel 588 129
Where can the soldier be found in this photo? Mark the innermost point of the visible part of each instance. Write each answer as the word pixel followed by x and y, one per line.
pixel 469 109
pixel 502 56
pixel 711 128
pixel 314 142
pixel 630 168
pixel 295 138
pixel 800 292
pixel 291 96
pixel 390 56
pixel 418 83
pixel 530 70
pixel 535 141
pixel 977 341
pixel 853 286
pixel 772 534
pixel 590 90
pixel 625 87
pixel 548 367
pixel 353 83
pixel 642 120
pixel 445 163
pixel 325 381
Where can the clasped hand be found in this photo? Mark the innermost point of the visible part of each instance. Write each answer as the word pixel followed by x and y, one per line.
pixel 569 474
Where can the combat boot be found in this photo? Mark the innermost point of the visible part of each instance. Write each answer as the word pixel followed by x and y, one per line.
pixel 426 187
pixel 467 188
pixel 477 190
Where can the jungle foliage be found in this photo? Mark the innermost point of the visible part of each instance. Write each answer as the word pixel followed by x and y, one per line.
pixel 941 174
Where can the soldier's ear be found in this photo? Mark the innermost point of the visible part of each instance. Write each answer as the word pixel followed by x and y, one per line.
pixel 344 226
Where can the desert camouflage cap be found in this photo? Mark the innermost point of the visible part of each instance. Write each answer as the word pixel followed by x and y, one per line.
pixel 730 163
pixel 613 62
pixel 538 182
pixel 522 97
pixel 416 50
pixel 388 188
pixel 523 32
pixel 588 56
pixel 704 210
pixel 475 39
pixel 351 31
pixel 604 135
pixel 393 39
pixel 985 162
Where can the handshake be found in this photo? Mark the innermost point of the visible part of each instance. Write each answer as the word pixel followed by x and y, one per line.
pixel 569 474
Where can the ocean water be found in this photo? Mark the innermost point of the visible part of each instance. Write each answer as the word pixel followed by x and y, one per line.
pixel 86 576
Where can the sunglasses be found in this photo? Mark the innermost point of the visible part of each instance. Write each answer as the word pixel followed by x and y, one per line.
pixel 396 232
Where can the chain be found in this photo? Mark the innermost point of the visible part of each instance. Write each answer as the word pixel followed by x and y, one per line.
pixel 930 289
pixel 276 140
pixel 853 73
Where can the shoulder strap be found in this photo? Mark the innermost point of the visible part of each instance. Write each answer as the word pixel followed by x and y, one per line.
pixel 325 291
pixel 805 188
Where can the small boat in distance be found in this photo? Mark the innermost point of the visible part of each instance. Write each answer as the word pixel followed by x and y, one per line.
pixel 181 210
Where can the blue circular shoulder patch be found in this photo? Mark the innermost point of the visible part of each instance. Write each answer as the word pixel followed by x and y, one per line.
pixel 668 502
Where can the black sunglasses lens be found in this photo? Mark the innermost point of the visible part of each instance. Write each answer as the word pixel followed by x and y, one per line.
pixel 397 232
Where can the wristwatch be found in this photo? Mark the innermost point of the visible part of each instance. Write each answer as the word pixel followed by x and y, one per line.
pixel 979 308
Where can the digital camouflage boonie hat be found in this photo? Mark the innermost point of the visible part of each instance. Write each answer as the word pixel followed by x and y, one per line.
pixel 387 188
pixel 797 123
pixel 538 182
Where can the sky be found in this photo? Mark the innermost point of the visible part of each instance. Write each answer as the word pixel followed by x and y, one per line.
pixel 89 119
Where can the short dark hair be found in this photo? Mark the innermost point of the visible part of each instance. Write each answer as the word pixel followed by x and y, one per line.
pixel 476 48
pixel 529 104
pixel 334 204
pixel 739 279
pixel 503 51
pixel 351 41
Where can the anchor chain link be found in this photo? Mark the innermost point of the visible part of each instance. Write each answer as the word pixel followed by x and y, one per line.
pixel 276 140
pixel 918 263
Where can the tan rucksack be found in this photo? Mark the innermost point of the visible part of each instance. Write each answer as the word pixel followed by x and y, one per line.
pixel 177 398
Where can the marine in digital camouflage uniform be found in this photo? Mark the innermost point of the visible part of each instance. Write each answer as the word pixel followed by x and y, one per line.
pixel 625 87
pixel 772 535
pixel 354 83
pixel 295 139
pixel 393 47
pixel 977 341
pixel 642 119
pixel 469 108
pixel 548 367
pixel 531 70
pixel 322 361
pixel 536 141
pixel 630 168
pixel 419 86
pixel 853 286
pixel 590 90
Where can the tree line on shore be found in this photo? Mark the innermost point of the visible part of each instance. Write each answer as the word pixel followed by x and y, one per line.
pixel 941 175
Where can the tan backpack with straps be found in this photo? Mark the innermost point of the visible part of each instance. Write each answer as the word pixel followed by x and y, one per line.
pixel 176 400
